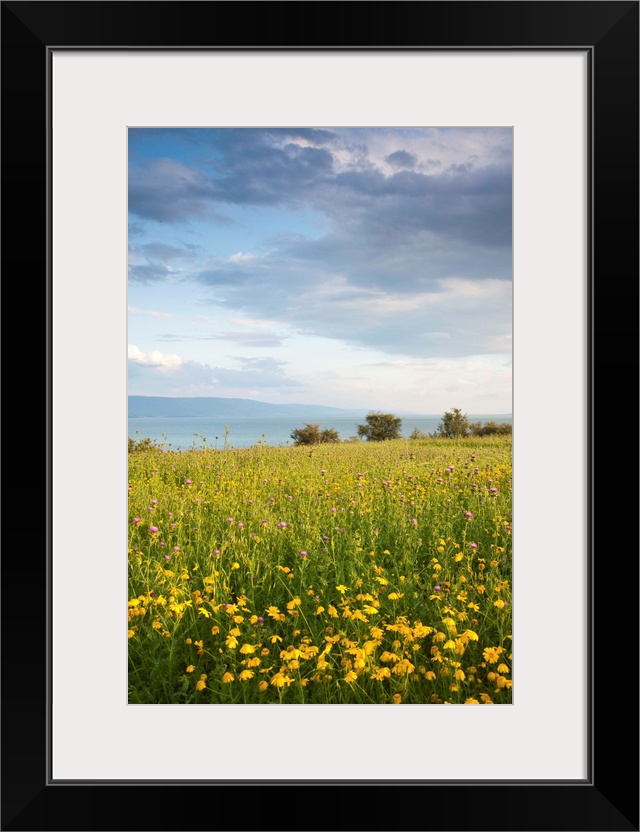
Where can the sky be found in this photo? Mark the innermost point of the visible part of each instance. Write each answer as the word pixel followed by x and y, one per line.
pixel 352 267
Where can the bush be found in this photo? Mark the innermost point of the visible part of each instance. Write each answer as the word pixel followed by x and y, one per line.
pixel 380 426
pixel 141 445
pixel 491 429
pixel 454 425
pixel 418 434
pixel 312 435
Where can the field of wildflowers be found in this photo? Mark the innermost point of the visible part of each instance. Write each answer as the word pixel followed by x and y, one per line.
pixel 350 573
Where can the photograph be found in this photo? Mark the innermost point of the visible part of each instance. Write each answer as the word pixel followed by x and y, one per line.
pixel 352 280
pixel 302 304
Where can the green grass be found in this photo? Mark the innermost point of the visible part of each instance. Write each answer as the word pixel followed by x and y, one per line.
pixel 391 601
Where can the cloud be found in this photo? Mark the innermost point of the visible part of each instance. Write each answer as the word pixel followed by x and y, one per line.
pixel 401 159
pixel 152 312
pixel 241 339
pixel 153 359
pixel 415 252
pixel 156 374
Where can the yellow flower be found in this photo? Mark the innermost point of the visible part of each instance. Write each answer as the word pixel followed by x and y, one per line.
pixel 502 668
pixel 333 612
pixel 397 699
pixel 262 686
pixel 231 642
pixel 227 678
pixel 319 610
pixel 459 675
pixel 191 668
pixel 341 588
pixel 245 675
pixel 491 654
pixel 458 557
pixel 381 673
pixel 200 684
pixel 273 639
pixel 131 633
pixel 247 648
pixel 430 675
pixel 403 666
pixel 351 676
pixel 471 702
pixel 499 604
pixel 235 565
pixel 215 630
pixel 281 679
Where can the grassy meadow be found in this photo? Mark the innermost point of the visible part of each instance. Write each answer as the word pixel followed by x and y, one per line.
pixel 349 573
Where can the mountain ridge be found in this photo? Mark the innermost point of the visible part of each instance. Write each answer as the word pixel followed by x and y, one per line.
pixel 170 406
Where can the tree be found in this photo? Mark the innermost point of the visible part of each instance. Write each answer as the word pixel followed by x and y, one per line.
pixel 312 435
pixel 454 425
pixel 380 426
pixel 416 433
pixel 491 429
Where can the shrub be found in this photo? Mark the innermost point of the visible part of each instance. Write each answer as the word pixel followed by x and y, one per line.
pixel 418 434
pixel 312 435
pixel 380 426
pixel 491 429
pixel 454 425
pixel 141 445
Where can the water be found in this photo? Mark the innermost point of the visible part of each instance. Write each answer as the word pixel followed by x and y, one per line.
pixel 179 433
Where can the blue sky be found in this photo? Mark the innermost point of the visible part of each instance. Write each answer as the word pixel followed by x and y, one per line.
pixel 353 267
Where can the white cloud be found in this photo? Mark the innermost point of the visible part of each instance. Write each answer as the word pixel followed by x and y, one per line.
pixel 153 359
pixel 153 312
pixel 240 257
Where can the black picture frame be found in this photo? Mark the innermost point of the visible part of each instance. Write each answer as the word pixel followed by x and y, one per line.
pixel 608 798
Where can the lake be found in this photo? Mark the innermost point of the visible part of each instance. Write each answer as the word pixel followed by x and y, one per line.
pixel 181 433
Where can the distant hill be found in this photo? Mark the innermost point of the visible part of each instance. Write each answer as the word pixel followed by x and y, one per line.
pixel 168 406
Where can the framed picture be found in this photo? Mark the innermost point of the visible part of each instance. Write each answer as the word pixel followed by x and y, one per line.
pixel 563 77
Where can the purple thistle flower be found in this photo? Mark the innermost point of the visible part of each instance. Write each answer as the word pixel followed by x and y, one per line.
pixel 154 529
pixel 473 545
pixel 437 588
pixel 468 514
pixel 136 520
pixel 303 554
